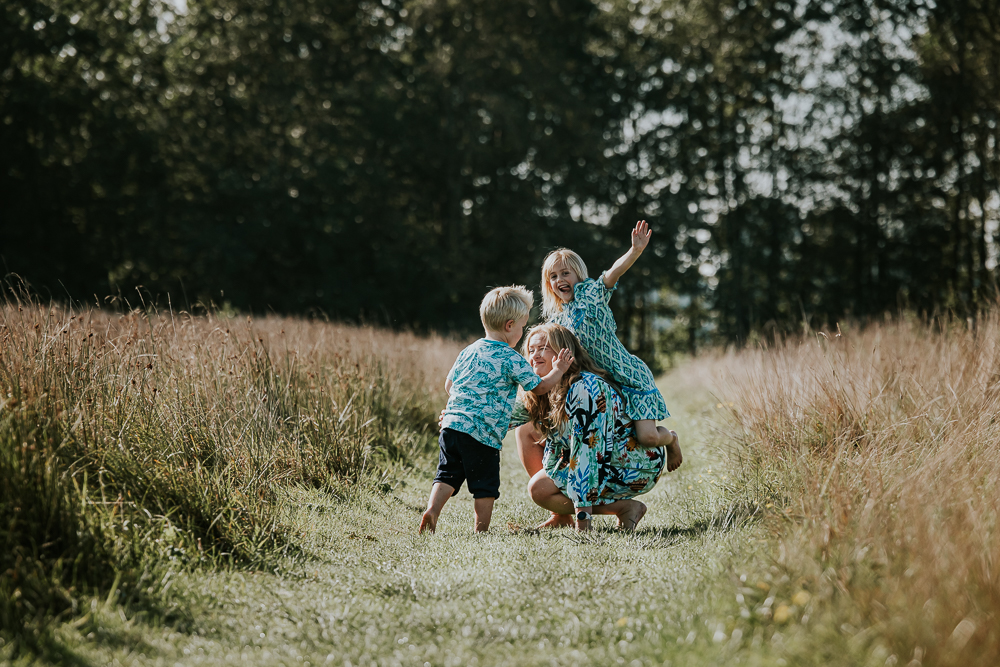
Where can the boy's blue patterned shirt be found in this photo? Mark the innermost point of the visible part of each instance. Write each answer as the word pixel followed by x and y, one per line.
pixel 484 384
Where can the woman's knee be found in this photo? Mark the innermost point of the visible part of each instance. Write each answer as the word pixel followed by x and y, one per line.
pixel 540 487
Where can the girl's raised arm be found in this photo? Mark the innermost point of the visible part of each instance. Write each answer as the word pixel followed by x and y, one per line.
pixel 640 239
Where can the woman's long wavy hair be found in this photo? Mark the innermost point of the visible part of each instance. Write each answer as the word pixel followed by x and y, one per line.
pixel 548 412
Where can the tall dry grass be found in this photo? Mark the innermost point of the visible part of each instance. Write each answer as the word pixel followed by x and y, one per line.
pixel 132 439
pixel 882 448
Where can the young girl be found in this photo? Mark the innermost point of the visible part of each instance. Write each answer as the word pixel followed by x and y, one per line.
pixel 580 304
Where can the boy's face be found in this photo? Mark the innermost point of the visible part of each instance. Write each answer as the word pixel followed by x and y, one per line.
pixel 561 281
pixel 540 355
pixel 516 330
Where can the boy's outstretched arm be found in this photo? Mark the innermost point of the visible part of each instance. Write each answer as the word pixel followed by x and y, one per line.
pixel 560 365
pixel 640 239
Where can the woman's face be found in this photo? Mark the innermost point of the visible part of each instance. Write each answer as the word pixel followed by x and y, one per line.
pixel 540 355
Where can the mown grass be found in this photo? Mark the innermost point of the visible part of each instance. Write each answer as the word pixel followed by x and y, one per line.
pixel 138 441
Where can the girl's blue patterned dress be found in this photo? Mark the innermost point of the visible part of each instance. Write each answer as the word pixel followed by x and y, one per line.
pixel 590 318
pixel 594 459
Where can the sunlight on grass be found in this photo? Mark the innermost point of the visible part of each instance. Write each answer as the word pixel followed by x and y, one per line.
pixel 836 506
pixel 130 442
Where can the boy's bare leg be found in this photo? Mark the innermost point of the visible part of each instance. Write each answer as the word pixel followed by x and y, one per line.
pixel 629 512
pixel 484 512
pixel 440 493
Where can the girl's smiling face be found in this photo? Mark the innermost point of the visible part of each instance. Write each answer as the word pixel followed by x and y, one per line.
pixel 562 279
pixel 540 355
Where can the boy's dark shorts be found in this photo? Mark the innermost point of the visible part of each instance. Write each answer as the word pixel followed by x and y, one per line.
pixel 463 458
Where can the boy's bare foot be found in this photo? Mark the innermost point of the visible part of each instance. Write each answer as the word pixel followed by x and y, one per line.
pixel 674 456
pixel 428 521
pixel 630 516
pixel 557 521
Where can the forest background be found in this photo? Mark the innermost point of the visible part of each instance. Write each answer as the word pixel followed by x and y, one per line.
pixel 389 161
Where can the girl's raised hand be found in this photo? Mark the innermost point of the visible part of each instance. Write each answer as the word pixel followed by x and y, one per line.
pixel 640 236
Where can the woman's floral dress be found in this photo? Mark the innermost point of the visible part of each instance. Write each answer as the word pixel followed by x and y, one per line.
pixel 594 459
pixel 589 317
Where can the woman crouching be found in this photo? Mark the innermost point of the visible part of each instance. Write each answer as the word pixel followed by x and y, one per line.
pixel 577 442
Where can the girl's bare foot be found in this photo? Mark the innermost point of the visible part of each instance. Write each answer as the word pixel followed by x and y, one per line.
pixel 674 456
pixel 630 515
pixel 557 521
pixel 428 521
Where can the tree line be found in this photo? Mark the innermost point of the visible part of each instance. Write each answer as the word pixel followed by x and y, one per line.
pixel 389 160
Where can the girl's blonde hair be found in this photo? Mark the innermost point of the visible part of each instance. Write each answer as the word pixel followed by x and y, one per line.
pixel 548 412
pixel 551 303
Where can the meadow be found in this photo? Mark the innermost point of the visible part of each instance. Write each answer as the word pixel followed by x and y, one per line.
pixel 210 489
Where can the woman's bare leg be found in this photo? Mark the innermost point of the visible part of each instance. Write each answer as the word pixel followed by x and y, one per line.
pixel 546 494
pixel 530 448
pixel 629 512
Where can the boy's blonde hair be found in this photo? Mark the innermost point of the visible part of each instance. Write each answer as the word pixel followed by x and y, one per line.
pixel 502 304
pixel 551 303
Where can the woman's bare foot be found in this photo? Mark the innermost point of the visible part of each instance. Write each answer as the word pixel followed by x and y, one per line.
pixel 674 456
pixel 428 521
pixel 630 515
pixel 557 521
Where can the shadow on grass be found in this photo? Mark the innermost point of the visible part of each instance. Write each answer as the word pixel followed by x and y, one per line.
pixel 730 518
pixel 48 645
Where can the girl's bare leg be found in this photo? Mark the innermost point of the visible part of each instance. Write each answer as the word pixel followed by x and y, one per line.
pixel 649 435
pixel 674 456
pixel 440 493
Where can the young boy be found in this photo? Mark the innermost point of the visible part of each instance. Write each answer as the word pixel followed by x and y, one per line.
pixel 482 385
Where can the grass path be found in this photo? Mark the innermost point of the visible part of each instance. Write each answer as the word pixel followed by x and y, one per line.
pixel 374 591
